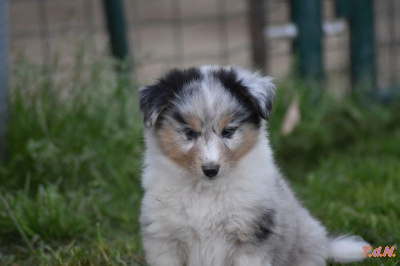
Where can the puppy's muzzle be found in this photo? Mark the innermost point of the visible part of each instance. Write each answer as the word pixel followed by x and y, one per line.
pixel 210 170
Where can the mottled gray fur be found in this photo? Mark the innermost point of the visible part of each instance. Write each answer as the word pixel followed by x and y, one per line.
pixel 246 214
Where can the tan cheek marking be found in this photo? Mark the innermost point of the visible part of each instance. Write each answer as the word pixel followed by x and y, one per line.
pixel 194 123
pixel 249 139
pixel 223 122
pixel 171 148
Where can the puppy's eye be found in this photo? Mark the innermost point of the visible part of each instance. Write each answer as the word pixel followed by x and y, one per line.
pixel 190 134
pixel 228 132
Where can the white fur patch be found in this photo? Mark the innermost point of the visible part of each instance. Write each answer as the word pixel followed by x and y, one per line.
pixel 211 152
pixel 346 248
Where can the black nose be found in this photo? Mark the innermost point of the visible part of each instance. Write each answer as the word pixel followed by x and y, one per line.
pixel 210 170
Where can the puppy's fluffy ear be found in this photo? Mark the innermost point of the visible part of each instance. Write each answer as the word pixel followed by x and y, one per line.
pixel 152 100
pixel 256 91
pixel 261 89
pixel 155 98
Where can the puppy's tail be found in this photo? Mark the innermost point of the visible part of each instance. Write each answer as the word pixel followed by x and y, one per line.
pixel 346 248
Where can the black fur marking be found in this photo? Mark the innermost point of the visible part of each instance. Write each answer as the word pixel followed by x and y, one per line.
pixel 269 104
pixel 264 226
pixel 157 97
pixel 179 118
pixel 235 87
pixel 244 116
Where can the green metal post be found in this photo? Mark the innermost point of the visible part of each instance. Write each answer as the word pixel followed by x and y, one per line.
pixel 343 8
pixel 114 13
pixel 362 45
pixel 308 45
pixel 3 76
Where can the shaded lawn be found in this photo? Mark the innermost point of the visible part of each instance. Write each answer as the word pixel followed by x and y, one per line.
pixel 356 191
pixel 73 179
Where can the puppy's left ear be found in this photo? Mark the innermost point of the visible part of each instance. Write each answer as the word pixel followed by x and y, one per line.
pixel 262 90
pixel 152 100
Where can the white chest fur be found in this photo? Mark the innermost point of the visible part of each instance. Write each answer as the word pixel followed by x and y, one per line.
pixel 207 218
pixel 205 223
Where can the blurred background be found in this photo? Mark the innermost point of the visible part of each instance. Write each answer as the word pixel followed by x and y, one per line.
pixel 159 34
pixel 71 134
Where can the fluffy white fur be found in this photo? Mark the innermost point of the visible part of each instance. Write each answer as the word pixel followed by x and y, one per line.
pixel 346 248
pixel 187 220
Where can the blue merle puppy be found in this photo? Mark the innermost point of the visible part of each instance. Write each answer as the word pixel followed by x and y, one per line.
pixel 213 194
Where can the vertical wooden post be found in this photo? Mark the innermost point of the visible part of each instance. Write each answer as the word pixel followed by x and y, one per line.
pixel 176 11
pixel 3 76
pixel 308 44
pixel 257 24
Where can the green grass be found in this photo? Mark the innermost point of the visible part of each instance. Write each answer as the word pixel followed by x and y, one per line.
pixel 70 191
pixel 356 191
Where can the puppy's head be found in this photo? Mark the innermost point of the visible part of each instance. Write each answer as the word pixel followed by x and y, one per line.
pixel 206 119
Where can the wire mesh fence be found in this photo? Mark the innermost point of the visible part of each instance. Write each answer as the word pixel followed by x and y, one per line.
pixel 387 43
pixel 168 33
pixel 3 76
